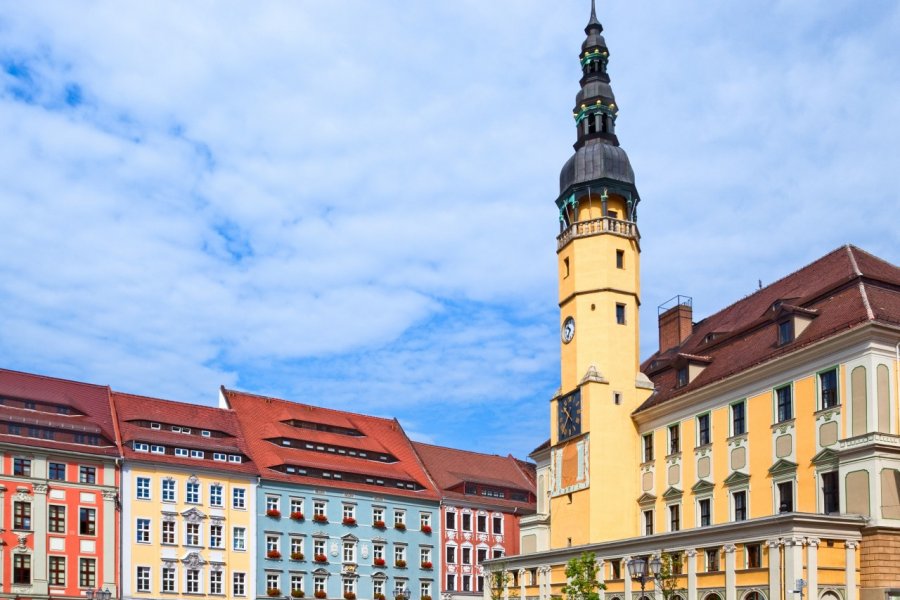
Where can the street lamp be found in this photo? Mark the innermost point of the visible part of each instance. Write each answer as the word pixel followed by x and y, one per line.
pixel 644 570
pixel 401 593
pixel 98 594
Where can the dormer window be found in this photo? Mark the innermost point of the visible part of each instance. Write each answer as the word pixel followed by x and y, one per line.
pixel 785 332
pixel 681 377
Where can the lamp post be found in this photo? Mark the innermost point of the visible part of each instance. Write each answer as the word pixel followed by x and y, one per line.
pixel 98 594
pixel 401 593
pixel 644 570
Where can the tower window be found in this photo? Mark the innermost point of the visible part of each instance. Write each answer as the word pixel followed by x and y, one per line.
pixel 620 259
pixel 620 314
pixel 566 267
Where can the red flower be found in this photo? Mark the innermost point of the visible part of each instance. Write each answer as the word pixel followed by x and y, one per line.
pixel 378 524
pixel 320 594
pixel 297 516
pixel 378 562
pixel 321 558
pixel 273 554
pixel 274 513
pixel 426 528
pixel 349 521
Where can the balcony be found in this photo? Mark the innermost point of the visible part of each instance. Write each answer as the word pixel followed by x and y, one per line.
pixel 871 441
pixel 626 229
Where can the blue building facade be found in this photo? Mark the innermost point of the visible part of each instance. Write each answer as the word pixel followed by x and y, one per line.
pixel 324 542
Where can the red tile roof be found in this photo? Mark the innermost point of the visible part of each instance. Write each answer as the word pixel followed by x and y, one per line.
pixel 263 419
pixel 844 289
pixel 132 410
pixel 90 402
pixel 451 469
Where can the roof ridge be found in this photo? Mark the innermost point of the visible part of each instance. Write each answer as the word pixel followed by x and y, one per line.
pixel 316 406
pixel 41 376
pixel 155 399
pixel 507 457
pixel 853 260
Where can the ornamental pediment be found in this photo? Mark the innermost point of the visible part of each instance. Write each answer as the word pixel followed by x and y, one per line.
pixel 783 467
pixel 193 515
pixel 703 487
pixel 193 560
pixel 646 499
pixel 672 493
pixel 737 478
pixel 825 457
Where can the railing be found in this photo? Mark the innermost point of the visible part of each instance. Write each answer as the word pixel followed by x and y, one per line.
pixel 596 227
pixel 870 438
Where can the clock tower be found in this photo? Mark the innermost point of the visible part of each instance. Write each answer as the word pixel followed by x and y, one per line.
pixel 595 451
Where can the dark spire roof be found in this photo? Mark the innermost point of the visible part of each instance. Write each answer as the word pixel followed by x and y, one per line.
pixel 597 152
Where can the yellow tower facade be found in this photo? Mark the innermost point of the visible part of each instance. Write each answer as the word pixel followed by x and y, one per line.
pixel 599 296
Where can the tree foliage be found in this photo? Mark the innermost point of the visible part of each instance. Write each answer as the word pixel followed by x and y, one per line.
pixel 669 573
pixel 581 576
pixel 499 579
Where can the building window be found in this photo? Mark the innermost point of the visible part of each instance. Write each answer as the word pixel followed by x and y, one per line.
pixel 785 332
pixel 466 555
pixel 22 467
pixel 378 551
pixel 349 554
pixel 143 579
pixel 273 503
pixel 296 505
pixel 239 538
pixel 168 490
pixel 424 556
pixel 481 523
pixel 648 522
pixel 57 570
pixel 181 452
pixel 786 497
pixel 675 517
pixel 296 545
pixel 215 495
pixel 620 314
pixel 296 583
pixel 703 436
pixel 22 515
pixel 215 583
pixel 57 471
pixel 705 515
pixel 57 520
pixel 498 525
pixel 192 534
pixel 87 474
pixel 399 517
pixel 192 582
pixel 466 522
pixel 87 521
pixel 192 492
pixel 740 505
pixel 753 553
pixel 378 588
pixel 648 447
pixel 615 569
pixel 142 531
pixel 451 554
pixel 712 560
pixel 168 532
pixel 349 586
pixel 168 579
pixel 497 553
pixel 197 454
pixel 399 554
pixel 620 259
pixel 238 584
pixel 451 582
pixel 681 377
pixel 785 403
pixel 142 488
pixel 319 583
pixel 424 589
pixel 22 569
pixel 481 555
pixel 273 581
pixel 467 583
pixel 87 572
pixel 215 536
pixel 239 498
pixel 319 509
pixel 738 418
pixel 674 439
pixel 830 497
pixel 450 520
pixel 828 389
pixel 348 512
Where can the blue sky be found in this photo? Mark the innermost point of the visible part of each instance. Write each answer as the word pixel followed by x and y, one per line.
pixel 351 203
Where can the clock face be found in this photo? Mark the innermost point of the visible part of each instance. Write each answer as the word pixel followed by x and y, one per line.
pixel 568 330
pixel 569 415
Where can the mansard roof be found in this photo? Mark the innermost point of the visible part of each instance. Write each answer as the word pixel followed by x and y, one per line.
pixel 845 289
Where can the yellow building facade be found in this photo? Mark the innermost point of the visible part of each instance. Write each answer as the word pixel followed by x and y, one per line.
pixel 757 451
pixel 188 498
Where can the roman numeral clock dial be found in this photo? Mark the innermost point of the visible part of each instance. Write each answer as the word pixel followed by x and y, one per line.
pixel 569 415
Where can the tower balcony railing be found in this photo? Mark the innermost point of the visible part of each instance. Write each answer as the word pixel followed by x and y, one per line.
pixel 597 226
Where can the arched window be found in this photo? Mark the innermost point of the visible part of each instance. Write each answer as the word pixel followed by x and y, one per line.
pixel 712 597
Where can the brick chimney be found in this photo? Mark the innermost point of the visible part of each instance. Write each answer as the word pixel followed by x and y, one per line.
pixel 675 322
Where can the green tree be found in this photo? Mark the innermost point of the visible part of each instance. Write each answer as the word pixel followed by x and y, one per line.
pixel 669 572
pixel 581 574
pixel 499 579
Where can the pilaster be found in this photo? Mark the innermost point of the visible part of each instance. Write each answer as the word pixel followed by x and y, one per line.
pixel 109 541
pixel 626 577
pixel 730 582
pixel 521 573
pixel 774 569
pixel 812 568
pixel 793 562
pixel 39 523
pixel 692 574
pixel 600 579
pixel 2 521
pixel 850 569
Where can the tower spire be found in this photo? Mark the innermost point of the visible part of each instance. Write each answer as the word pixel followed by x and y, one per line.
pixel 593 22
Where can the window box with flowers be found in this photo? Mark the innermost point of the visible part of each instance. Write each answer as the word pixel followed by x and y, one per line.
pixel 378 524
pixel 426 528
pixel 297 594
pixel 320 594
pixel 273 592
pixel 297 515
pixel 400 526
pixel 349 596
pixel 273 554
pixel 427 564
pixel 320 558
pixel 320 518
pixel 426 597
pixel 400 563
pixel 349 521
pixel 273 513
pixel 296 556
pixel 378 562
pixel 379 596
